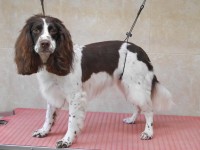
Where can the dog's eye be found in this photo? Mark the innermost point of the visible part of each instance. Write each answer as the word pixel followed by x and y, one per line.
pixel 53 31
pixel 36 31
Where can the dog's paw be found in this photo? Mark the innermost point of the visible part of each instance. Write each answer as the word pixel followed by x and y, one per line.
pixel 63 144
pixel 145 136
pixel 39 133
pixel 128 120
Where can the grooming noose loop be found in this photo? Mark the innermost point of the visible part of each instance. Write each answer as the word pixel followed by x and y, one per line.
pixel 129 34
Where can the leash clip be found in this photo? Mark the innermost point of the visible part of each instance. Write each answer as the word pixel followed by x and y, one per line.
pixel 129 34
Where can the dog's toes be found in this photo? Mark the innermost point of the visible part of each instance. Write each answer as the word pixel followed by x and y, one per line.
pixel 63 144
pixel 128 121
pixel 145 136
pixel 39 134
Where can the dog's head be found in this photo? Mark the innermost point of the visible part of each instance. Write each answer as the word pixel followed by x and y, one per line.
pixel 44 40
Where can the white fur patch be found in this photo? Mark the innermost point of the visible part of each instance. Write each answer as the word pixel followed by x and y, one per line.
pixel 97 83
pixel 45 36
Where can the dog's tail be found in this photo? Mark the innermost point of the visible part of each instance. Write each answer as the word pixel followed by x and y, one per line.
pixel 162 98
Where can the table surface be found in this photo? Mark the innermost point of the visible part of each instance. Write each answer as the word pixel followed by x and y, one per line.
pixel 104 131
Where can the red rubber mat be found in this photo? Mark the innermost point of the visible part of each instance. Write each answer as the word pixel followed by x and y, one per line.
pixel 104 131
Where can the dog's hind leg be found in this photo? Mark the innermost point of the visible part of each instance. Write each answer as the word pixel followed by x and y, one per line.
pixel 142 102
pixel 49 121
pixel 77 113
pixel 137 90
pixel 148 131
pixel 131 120
pixel 123 90
pixel 142 99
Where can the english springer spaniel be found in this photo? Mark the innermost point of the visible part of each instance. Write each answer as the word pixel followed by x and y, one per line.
pixel 73 74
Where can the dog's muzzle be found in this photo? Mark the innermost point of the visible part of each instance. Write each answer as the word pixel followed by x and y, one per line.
pixel 45 46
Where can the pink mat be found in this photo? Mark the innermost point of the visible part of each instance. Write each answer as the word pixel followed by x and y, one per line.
pixel 104 131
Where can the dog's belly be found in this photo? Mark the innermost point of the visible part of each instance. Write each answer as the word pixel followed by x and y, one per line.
pixel 97 83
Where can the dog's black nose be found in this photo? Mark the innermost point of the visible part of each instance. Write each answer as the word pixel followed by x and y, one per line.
pixel 45 45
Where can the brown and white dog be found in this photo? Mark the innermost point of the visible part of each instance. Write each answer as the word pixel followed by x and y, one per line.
pixel 73 74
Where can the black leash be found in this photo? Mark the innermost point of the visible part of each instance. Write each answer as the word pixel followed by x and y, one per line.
pixel 129 34
pixel 42 4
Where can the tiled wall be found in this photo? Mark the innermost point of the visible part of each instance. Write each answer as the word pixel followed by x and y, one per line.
pixel 168 30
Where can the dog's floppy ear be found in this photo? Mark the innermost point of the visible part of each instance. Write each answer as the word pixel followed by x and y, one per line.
pixel 27 60
pixel 60 62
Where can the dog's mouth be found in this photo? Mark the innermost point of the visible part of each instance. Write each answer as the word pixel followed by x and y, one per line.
pixel 45 52
pixel 44 55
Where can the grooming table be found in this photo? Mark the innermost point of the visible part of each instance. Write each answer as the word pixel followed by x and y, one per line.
pixel 104 131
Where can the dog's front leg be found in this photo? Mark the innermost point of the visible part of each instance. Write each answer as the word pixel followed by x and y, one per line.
pixel 76 120
pixel 49 120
